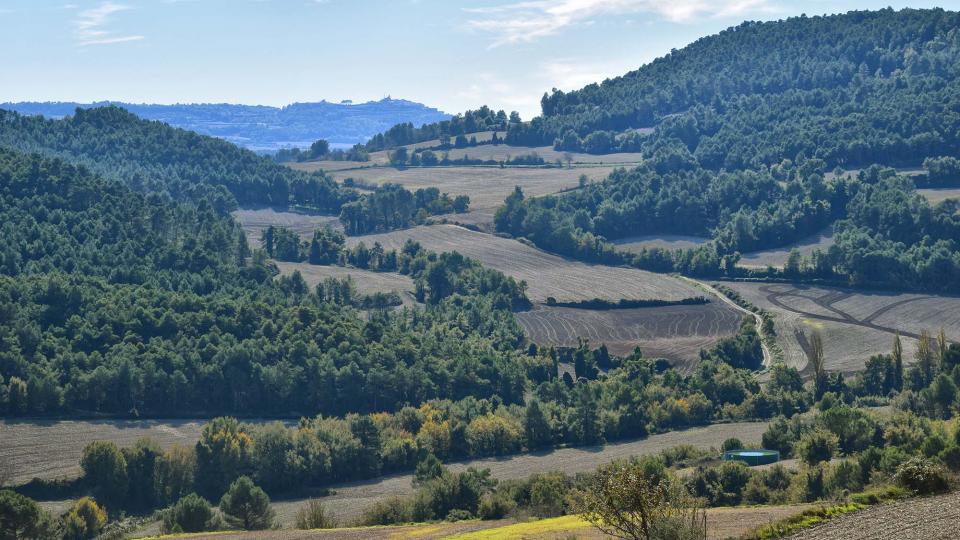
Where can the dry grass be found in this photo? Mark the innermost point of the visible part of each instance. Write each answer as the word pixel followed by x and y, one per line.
pixel 777 257
pixel 674 332
pixel 918 518
pixel 546 274
pixel 254 221
pixel 936 195
pixel 665 241
pixel 365 281
pixel 487 187
pixel 502 152
pixel 854 324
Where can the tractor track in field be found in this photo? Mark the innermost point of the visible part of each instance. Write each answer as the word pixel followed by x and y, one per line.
pixel 826 302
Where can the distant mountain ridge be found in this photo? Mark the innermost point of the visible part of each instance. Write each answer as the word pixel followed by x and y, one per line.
pixel 267 129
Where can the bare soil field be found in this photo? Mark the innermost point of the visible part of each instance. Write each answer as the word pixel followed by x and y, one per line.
pixel 52 448
pixel 777 257
pixel 487 187
pixel 665 241
pixel 254 221
pixel 365 281
pixel 936 195
pixel 919 518
pixel 674 332
pixel 854 324
pixel 546 274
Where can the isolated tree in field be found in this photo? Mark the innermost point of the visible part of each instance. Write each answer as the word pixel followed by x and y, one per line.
pixel 23 519
pixel 897 363
pixel 247 506
pixel 624 502
pixel 815 359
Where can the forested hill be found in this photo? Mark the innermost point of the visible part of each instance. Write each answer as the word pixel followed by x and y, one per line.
pixel 153 156
pixel 858 88
pixel 756 130
pixel 263 128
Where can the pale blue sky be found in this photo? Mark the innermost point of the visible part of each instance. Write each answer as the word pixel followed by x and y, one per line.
pixel 449 54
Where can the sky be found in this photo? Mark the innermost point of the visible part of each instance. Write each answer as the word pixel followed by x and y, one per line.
pixel 450 54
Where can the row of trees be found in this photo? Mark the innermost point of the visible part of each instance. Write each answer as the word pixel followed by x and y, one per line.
pixel 391 206
pixel 482 119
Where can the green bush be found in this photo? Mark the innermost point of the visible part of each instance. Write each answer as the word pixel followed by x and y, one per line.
pixel 922 477
pixel 190 514
pixel 459 514
pixel 731 444
pixel 494 506
pixel 816 446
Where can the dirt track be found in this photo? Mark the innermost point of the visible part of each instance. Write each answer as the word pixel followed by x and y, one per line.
pixel 928 518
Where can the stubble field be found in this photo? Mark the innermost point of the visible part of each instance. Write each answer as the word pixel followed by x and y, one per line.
pixel 854 324
pixel 546 275
pixel 365 281
pixel 254 221
pixel 674 332
pixel 777 257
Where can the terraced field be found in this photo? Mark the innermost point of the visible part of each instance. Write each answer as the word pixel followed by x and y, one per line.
pixel 254 221
pixel 854 324
pixel 365 281
pixel 777 257
pixel 546 275
pixel 674 332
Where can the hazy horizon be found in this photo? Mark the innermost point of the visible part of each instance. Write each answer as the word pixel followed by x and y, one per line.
pixel 449 55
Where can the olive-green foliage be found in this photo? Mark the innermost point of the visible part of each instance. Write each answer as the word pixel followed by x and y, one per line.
pixel 816 446
pixel 246 506
pixel 191 513
pixel 84 520
pixel 314 515
pixel 22 519
pixel 922 477
pixel 105 470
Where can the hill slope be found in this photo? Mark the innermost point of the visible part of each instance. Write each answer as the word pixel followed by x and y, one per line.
pixel 263 128
pixel 154 156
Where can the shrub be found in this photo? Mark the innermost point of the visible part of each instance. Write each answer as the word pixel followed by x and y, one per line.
pixel 922 477
pixel 731 444
pixel 879 494
pixel 191 514
pixel 950 457
pixel 85 520
pixel 494 506
pixel 459 514
pixel 816 446
pixel 314 515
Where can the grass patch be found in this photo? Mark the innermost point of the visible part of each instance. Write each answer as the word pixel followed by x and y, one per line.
pixel 807 518
pixel 530 528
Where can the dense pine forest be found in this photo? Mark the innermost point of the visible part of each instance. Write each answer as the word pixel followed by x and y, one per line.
pixel 127 290
pixel 760 132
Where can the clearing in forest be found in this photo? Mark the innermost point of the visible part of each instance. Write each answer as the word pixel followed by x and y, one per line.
pixel 634 244
pixel 366 282
pixel 254 221
pixel 546 275
pixel 674 332
pixel 777 257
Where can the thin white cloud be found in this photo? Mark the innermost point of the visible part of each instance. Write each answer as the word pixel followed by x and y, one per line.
pixel 90 26
pixel 527 21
